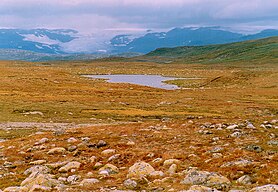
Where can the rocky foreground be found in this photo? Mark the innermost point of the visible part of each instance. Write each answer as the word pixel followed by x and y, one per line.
pixel 195 155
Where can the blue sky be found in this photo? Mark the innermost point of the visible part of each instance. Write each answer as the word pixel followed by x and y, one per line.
pixel 109 16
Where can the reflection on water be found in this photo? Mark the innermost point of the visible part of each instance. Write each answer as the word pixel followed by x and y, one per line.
pixel 145 80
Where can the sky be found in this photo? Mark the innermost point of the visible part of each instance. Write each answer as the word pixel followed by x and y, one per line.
pixel 89 16
pixel 102 19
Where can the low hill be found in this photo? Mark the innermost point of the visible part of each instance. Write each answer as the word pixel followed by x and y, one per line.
pixel 255 50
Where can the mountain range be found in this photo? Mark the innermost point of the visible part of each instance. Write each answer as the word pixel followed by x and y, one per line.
pixel 46 44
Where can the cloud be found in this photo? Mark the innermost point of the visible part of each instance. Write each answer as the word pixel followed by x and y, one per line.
pixel 95 15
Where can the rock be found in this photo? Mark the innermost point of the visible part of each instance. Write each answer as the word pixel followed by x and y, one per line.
pixel 38 162
pixel 15 189
pixel 139 170
pixel 236 134
pixel 156 174
pixel 111 169
pixel 130 184
pixel 92 159
pixel 208 179
pixel 231 127
pixel 42 141
pixel 238 163
pixel 72 140
pixel 8 164
pixel 98 165
pixel 217 155
pixel 39 188
pixel 173 169
pixel 254 148
pixel 245 180
pixel 265 188
pixel 37 169
pixel 273 142
pixel 72 148
pixel 101 143
pixel 113 157
pixel 108 152
pixel 250 126
pixel 69 166
pixel 56 165
pixel 200 188
pixel 85 139
pixel 169 162
pixel 130 143
pixel 57 150
pixel 36 178
pixel 88 182
pixel 157 160
pixel 73 179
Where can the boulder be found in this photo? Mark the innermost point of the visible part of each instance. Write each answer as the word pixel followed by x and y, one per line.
pixel 265 188
pixel 139 170
pixel 208 179
pixel 69 166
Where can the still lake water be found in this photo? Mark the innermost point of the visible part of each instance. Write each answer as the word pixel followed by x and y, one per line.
pixel 156 81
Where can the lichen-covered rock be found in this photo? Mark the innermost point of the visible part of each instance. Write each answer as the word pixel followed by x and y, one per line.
pixel 69 166
pixel 57 150
pixel 139 170
pixel 111 169
pixel 208 179
pixel 169 162
pixel 37 169
pixel 89 182
pixel 245 180
pixel 265 188
pixel 36 178
pixel 130 184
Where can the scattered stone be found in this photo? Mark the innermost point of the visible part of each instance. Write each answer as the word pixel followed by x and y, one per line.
pixel 208 179
pixel 139 170
pixel 41 169
pixel 42 141
pixel 15 189
pixel 101 143
pixel 250 126
pixel 130 143
pixel 98 165
pixel 92 159
pixel 238 163
pixel 36 178
pixel 156 174
pixel 265 188
pixel 245 180
pixel 40 188
pixel 169 162
pixel 173 169
pixel 273 142
pixel 89 182
pixel 8 164
pixel 111 169
pixel 200 188
pixel 130 184
pixel 236 134
pixel 231 127
pixel 113 157
pixel 72 148
pixel 69 166
pixel 254 148
pixel 38 162
pixel 73 179
pixel 108 152
pixel 57 150
pixel 72 140
pixel 56 165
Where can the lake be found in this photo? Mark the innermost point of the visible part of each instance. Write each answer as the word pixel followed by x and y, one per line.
pixel 155 81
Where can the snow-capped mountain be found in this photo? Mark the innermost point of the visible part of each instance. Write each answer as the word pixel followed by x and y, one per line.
pixel 71 42
pixel 36 40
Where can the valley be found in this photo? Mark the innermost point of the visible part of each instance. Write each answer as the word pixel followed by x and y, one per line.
pixel 61 131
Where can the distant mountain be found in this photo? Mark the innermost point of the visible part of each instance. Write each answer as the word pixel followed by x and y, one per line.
pixel 67 44
pixel 36 40
pixel 182 37
pixel 252 50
